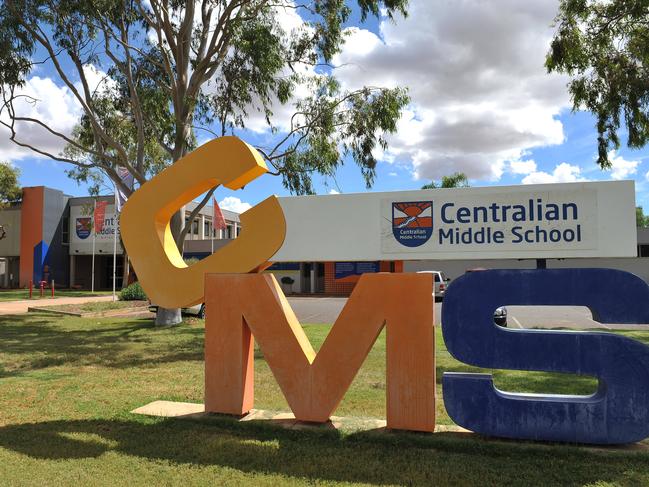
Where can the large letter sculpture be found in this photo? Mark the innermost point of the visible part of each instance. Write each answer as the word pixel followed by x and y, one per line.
pixel 617 413
pixel 239 306
pixel 165 277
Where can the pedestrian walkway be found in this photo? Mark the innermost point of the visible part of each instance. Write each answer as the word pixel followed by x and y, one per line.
pixel 20 307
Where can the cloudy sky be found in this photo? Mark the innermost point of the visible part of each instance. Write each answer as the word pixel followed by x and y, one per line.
pixel 482 103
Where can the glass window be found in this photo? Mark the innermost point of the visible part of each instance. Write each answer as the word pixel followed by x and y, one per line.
pixel 65 230
pixel 643 250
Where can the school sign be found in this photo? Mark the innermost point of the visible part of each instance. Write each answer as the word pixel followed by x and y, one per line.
pixel 243 305
pixel 536 221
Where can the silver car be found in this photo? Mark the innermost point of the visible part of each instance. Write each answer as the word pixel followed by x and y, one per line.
pixel 440 281
pixel 197 310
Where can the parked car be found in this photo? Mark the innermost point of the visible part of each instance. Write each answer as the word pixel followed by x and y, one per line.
pixel 440 281
pixel 500 315
pixel 197 310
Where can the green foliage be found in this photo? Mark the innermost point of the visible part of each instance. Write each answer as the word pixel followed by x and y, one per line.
pixel 10 190
pixel 287 280
pixel 604 47
pixel 209 66
pixel 455 180
pixel 191 261
pixel 641 220
pixel 133 292
pixel 335 125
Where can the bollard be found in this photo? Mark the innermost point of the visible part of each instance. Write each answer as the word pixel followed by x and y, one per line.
pixel 31 288
pixel 52 288
pixel 42 288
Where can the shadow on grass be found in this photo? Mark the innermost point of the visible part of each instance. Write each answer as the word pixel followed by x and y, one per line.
pixel 402 459
pixel 33 342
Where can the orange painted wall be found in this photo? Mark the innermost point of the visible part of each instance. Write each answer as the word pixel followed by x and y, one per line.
pixel 345 287
pixel 31 230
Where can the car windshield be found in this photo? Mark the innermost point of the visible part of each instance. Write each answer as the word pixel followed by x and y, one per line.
pixel 435 277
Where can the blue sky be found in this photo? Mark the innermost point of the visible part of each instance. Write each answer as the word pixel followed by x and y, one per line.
pixel 481 103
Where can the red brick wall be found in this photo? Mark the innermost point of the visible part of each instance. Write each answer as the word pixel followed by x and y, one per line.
pixel 332 286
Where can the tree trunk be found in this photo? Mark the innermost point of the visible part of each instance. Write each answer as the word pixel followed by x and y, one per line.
pixel 164 316
pixel 168 317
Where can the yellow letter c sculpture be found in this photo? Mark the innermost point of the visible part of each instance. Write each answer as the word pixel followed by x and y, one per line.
pixel 146 233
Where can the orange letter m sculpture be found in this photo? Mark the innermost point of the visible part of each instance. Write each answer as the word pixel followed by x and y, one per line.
pixel 241 305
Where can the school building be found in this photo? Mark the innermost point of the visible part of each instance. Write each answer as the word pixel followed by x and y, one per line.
pixel 48 237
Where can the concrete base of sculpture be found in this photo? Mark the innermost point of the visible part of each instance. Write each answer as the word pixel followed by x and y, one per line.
pixel 168 317
pixel 186 410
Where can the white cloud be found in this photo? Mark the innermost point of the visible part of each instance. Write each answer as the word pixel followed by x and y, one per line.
pixel 43 100
pixel 393 174
pixel 620 167
pixel 522 167
pixel 481 96
pixel 334 191
pixel 562 173
pixel 233 203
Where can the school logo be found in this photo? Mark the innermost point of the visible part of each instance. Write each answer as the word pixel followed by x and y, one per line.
pixel 412 222
pixel 84 226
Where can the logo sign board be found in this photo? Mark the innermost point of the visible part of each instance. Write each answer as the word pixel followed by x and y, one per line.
pixel 534 221
pixel 81 230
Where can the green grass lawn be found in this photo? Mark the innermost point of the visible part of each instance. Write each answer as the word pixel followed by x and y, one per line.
pixel 20 294
pixel 67 386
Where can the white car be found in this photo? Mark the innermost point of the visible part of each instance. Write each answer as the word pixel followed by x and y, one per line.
pixel 440 282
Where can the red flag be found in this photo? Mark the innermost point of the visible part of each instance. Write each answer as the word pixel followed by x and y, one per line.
pixel 219 220
pixel 100 215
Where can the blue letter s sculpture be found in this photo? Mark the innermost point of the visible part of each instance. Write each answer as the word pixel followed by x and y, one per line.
pixel 617 413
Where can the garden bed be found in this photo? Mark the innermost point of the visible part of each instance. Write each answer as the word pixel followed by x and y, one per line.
pixel 94 309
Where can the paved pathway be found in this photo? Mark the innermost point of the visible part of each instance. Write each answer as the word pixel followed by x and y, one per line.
pixel 326 310
pixel 19 307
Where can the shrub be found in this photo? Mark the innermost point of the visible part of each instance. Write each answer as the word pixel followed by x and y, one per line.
pixel 287 280
pixel 134 292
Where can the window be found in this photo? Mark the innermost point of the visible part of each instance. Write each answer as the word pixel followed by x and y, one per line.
pixel 195 227
pixel 643 250
pixel 238 231
pixel 207 229
pixel 65 230
pixel 228 232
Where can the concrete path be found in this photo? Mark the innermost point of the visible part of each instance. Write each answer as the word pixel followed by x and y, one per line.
pixel 19 307
pixel 326 310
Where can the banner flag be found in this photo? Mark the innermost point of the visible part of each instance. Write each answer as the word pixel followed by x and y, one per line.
pixel 128 180
pixel 219 219
pixel 100 215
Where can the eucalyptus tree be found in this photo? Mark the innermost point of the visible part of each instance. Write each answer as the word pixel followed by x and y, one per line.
pixel 604 47
pixel 455 180
pixel 10 190
pixel 147 75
